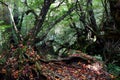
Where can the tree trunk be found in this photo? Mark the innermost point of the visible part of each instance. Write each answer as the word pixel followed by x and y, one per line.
pixel 115 12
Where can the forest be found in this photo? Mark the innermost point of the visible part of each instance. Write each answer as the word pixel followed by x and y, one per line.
pixel 59 39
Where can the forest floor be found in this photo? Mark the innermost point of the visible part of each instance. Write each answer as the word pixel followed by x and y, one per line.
pixel 74 71
pixel 30 66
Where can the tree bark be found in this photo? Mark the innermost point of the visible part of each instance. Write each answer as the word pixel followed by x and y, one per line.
pixel 115 12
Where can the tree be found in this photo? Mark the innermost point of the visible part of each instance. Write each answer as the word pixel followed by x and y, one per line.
pixel 56 26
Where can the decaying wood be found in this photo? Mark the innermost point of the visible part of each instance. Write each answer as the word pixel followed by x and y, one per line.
pixel 78 56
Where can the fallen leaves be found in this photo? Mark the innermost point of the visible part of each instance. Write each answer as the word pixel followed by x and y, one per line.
pixel 70 72
pixel 27 65
pixel 15 74
pixel 3 71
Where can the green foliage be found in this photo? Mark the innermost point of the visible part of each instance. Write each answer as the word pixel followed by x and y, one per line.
pixel 35 4
pixel 74 28
pixel 68 25
pixel 4 27
pixel 2 60
pixel 1 22
pixel 99 57
pixel 98 10
pixel 27 24
pixel 114 69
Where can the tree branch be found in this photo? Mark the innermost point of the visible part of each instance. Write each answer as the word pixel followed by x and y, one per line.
pixel 4 3
pixel 92 17
pixel 12 18
pixel 35 30
pixel 33 12
pixel 57 21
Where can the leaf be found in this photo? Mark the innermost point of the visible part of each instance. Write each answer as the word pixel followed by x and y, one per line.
pixel 4 71
pixel 38 66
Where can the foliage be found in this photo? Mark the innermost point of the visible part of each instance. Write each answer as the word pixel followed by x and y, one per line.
pixel 50 29
pixel 114 69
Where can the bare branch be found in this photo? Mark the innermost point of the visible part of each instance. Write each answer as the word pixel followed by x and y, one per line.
pixel 4 3
pixel 35 30
pixel 62 17
pixel 56 22
pixel 33 12
pixel 15 27
pixel 11 15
